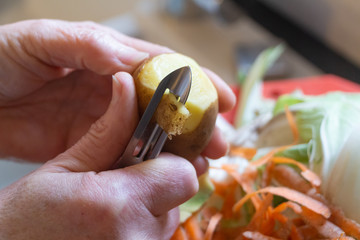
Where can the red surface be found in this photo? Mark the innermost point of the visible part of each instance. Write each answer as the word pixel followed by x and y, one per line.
pixel 309 86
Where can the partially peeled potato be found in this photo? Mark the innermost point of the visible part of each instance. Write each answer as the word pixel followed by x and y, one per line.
pixel 190 127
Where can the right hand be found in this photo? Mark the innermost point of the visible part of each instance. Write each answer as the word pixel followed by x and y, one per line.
pixel 74 196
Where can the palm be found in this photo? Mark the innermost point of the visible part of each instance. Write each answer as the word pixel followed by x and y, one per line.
pixel 49 120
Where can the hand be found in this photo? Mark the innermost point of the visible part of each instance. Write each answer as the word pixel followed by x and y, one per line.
pixel 55 81
pixel 74 197
pixel 58 101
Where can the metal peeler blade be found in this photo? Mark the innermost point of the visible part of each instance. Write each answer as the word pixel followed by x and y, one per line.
pixel 149 138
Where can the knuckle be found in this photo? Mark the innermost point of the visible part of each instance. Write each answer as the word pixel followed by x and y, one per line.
pixel 90 24
pixel 97 133
pixel 90 34
pixel 99 127
pixel 40 23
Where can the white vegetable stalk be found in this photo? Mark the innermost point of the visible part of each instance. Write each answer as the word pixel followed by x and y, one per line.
pixel 343 188
pixel 251 90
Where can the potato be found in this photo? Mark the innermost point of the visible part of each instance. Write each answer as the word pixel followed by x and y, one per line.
pixel 190 127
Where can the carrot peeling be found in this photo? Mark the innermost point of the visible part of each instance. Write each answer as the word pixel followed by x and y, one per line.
pixel 245 183
pixel 292 124
pixel 292 195
pixel 247 153
pixel 288 177
pixel 305 172
pixel 323 226
pixel 179 234
pixel 349 226
pixel 193 229
pixel 300 213
pixel 285 205
pixel 214 221
pixel 257 236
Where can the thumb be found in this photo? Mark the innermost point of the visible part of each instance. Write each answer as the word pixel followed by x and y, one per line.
pixel 159 184
pixel 106 139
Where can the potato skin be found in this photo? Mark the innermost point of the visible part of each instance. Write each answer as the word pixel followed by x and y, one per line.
pixel 190 145
pixel 187 145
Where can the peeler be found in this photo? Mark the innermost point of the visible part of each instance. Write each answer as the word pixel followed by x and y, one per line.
pixel 149 138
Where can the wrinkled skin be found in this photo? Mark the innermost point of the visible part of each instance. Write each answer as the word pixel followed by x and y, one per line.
pixel 59 105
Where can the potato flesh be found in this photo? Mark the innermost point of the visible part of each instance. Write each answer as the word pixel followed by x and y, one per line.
pixel 171 115
pixel 202 93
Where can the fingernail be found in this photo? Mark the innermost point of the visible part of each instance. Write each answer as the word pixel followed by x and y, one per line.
pixel 116 88
pixel 115 79
pixel 139 56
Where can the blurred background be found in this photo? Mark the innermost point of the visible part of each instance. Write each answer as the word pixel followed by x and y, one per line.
pixel 321 37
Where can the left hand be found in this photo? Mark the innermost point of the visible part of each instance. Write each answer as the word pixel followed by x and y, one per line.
pixel 55 82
